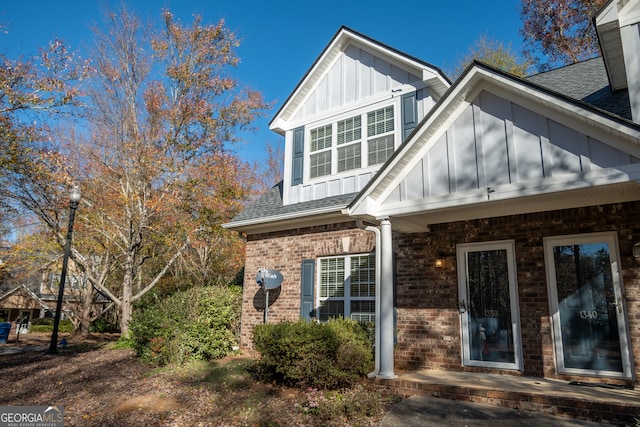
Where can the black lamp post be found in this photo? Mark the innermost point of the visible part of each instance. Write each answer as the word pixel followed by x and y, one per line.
pixel 74 198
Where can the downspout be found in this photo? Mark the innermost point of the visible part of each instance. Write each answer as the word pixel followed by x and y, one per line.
pixel 376 231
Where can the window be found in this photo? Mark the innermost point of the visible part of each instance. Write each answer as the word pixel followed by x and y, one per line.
pixel 343 147
pixel 380 149
pixel 347 287
pixel 320 151
pixel 349 132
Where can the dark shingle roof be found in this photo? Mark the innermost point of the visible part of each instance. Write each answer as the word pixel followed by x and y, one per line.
pixel 586 81
pixel 269 205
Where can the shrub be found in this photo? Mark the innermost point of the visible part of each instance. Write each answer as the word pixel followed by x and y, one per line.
pixel 195 324
pixel 46 325
pixel 322 356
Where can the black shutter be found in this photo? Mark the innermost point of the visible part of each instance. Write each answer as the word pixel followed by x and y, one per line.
pixel 306 292
pixel 298 156
pixel 409 114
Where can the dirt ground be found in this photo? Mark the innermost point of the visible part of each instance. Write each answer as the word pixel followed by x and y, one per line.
pixel 99 386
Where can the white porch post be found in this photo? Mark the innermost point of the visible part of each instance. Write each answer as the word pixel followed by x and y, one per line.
pixel 386 301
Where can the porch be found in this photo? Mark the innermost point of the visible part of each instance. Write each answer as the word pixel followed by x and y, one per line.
pixel 612 405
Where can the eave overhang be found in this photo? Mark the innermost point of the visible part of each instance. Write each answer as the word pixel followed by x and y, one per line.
pixel 309 218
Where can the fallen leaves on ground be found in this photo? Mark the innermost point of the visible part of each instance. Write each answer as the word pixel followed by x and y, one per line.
pixel 99 386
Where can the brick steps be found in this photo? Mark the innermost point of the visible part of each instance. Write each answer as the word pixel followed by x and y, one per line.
pixel 611 406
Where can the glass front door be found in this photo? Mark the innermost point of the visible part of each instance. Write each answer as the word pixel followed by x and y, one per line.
pixel 489 305
pixel 587 310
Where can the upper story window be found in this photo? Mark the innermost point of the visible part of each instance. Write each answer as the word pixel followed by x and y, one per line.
pixel 321 151
pixel 346 154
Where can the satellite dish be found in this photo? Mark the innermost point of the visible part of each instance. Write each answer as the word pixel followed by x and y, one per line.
pixel 268 278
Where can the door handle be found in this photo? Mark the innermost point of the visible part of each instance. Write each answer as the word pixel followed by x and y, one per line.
pixel 462 306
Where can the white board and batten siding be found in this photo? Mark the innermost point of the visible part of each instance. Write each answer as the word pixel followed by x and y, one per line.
pixel 355 81
pixel 497 142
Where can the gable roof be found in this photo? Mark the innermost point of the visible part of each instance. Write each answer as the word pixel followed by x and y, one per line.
pixel 478 77
pixel 344 38
pixel 30 294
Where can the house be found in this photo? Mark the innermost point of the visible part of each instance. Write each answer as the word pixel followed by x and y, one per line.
pixel 485 225
pixel 35 296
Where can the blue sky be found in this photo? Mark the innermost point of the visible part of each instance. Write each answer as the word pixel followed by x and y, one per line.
pixel 281 39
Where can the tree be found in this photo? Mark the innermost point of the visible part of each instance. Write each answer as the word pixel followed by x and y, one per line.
pixel 559 32
pixel 156 172
pixel 31 90
pixel 494 53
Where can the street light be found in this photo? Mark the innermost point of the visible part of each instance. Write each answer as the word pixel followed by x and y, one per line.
pixel 74 198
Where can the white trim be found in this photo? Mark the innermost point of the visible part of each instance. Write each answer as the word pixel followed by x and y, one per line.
pixel 611 238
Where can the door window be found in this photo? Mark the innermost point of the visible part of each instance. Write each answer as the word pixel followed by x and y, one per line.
pixel 587 309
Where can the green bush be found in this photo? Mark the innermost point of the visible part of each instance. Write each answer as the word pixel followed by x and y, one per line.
pixel 328 355
pixel 195 324
pixel 46 325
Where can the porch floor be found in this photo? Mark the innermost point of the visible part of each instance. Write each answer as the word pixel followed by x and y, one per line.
pixel 617 406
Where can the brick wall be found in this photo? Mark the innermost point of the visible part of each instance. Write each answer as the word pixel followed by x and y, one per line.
pixel 285 251
pixel 427 298
pixel 428 322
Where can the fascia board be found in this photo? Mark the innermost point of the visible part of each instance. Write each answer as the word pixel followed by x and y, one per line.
pixel 271 222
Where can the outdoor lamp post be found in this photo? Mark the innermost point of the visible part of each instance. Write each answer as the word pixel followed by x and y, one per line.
pixel 74 198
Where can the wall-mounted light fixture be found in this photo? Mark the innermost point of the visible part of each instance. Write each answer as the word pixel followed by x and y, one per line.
pixel 441 259
pixel 636 250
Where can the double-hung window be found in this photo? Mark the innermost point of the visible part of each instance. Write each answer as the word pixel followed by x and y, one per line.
pixel 347 287
pixel 321 151
pixel 380 135
pixel 359 141
pixel 349 135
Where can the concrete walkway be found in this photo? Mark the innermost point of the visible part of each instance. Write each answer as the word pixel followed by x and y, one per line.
pixel 423 411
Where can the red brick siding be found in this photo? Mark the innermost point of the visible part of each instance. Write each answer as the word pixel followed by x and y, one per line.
pixel 285 251
pixel 428 321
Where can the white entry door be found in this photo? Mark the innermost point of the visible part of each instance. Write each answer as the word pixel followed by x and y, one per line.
pixel 488 302
pixel 587 307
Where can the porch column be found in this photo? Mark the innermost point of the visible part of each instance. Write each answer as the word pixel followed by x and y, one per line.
pixel 386 301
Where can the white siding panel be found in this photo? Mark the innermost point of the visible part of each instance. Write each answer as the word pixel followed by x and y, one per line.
pixel 605 156
pixel 349 185
pixel 414 182
pixel 319 190
pixel 493 155
pixel 322 94
pixel 567 147
pixel 336 84
pixel 381 71
pixel 350 76
pixel 526 143
pixel 365 73
pixel 334 187
pixel 465 168
pixel 398 77
pixel 363 179
pixel 394 197
pixel 437 169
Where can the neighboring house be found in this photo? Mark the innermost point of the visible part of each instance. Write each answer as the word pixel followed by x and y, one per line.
pixel 21 305
pixel 488 225
pixel 37 297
